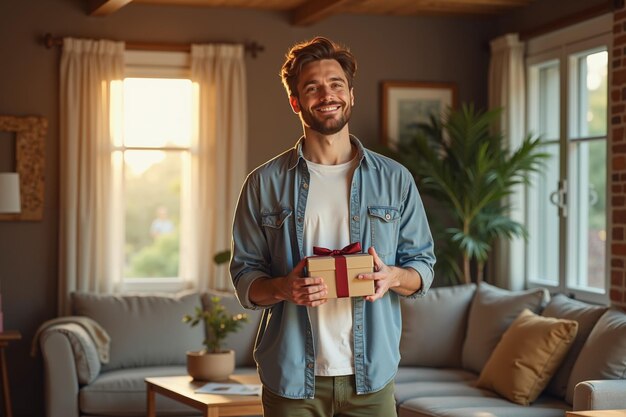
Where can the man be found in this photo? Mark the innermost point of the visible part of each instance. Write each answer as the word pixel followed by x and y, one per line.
pixel 322 357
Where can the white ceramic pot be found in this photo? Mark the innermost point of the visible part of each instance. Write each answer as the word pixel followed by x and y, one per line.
pixel 210 366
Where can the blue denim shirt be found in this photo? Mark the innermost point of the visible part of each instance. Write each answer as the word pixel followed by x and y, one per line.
pixel 386 212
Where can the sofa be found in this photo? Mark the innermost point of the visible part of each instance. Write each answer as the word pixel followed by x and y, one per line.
pixel 147 339
pixel 468 350
pixel 478 351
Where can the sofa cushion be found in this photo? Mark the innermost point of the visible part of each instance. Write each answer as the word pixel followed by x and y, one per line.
pixel 433 327
pixel 145 330
pixel 602 355
pixel 406 390
pixel 474 406
pixel 414 374
pixel 492 311
pixel 563 307
pixel 527 356
pixel 123 392
pixel 242 341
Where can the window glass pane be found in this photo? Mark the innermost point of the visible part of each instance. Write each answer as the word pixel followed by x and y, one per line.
pixel 152 213
pixel 548 101
pixel 543 222
pixel 592 94
pixel 587 215
pixel 157 112
pixel 542 260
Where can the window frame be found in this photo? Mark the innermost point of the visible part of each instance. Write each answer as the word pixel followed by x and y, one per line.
pixel 561 46
pixel 147 64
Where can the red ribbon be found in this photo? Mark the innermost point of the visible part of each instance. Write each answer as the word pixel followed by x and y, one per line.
pixel 341 266
pixel 348 250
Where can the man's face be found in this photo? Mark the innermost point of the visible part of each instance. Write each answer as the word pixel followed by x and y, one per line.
pixel 324 99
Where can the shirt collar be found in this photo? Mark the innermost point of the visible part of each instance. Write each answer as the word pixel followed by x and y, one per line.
pixel 297 155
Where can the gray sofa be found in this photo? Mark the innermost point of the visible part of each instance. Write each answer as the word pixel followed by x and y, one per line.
pixel 450 339
pixel 147 339
pixel 450 336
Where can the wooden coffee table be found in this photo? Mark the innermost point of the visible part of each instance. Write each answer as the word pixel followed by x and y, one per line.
pixel 181 388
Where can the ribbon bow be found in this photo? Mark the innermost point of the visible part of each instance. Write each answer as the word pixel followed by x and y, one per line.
pixel 348 250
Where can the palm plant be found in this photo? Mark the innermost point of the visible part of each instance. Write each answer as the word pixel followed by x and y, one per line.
pixel 464 166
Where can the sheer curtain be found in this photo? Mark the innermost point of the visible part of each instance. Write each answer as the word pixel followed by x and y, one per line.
pixel 88 69
pixel 219 161
pixel 507 90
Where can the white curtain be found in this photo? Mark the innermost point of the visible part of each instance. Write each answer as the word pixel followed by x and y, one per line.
pixel 88 68
pixel 507 90
pixel 219 159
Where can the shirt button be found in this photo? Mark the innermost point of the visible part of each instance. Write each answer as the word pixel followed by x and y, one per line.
pixel 355 218
pixel 299 219
pixel 310 366
pixel 358 327
pixel 305 186
pixel 387 216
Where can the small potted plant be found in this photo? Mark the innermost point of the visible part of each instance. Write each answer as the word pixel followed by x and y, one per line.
pixel 213 363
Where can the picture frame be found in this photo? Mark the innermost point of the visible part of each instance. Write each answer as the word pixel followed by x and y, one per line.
pixel 29 133
pixel 406 103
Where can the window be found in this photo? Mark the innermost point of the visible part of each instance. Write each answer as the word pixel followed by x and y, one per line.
pixel 151 170
pixel 567 212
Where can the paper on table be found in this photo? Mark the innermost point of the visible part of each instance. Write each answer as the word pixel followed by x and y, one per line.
pixel 229 389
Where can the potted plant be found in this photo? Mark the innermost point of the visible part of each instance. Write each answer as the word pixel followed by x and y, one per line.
pixel 213 363
pixel 465 167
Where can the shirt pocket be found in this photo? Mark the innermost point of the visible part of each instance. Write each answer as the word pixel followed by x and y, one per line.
pixel 275 226
pixel 384 221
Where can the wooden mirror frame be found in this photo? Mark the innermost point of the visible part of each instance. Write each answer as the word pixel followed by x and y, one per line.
pixel 30 133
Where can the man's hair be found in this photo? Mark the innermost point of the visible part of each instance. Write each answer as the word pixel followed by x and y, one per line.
pixel 316 49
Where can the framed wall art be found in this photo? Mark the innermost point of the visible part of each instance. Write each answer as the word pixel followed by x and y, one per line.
pixel 404 104
pixel 29 133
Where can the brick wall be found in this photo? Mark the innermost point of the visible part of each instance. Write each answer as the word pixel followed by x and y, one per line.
pixel 617 138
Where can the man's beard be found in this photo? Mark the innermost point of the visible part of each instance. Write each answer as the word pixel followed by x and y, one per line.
pixel 328 126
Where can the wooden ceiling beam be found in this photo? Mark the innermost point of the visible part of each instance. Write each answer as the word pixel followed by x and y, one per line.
pixel 105 7
pixel 313 11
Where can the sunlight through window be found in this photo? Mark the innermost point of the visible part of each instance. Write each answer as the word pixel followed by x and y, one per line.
pixel 154 147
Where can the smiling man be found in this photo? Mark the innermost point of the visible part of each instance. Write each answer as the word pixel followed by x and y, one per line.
pixel 320 357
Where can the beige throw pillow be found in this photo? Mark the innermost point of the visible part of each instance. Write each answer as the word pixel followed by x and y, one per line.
pixel 527 356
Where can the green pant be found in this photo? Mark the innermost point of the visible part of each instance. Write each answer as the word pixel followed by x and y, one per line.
pixel 334 397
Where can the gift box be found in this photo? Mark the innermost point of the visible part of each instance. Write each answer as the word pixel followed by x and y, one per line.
pixel 340 274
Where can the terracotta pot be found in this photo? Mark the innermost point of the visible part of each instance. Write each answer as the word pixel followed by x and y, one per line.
pixel 210 366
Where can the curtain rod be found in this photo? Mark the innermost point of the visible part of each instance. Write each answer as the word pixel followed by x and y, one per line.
pixel 253 48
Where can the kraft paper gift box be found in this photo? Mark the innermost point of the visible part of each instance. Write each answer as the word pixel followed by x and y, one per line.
pixel 340 286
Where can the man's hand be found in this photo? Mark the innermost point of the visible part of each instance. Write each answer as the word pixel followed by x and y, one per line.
pixel 310 291
pixel 294 288
pixel 401 280
pixel 383 276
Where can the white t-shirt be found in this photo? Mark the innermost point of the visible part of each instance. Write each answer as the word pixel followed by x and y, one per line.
pixel 327 224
